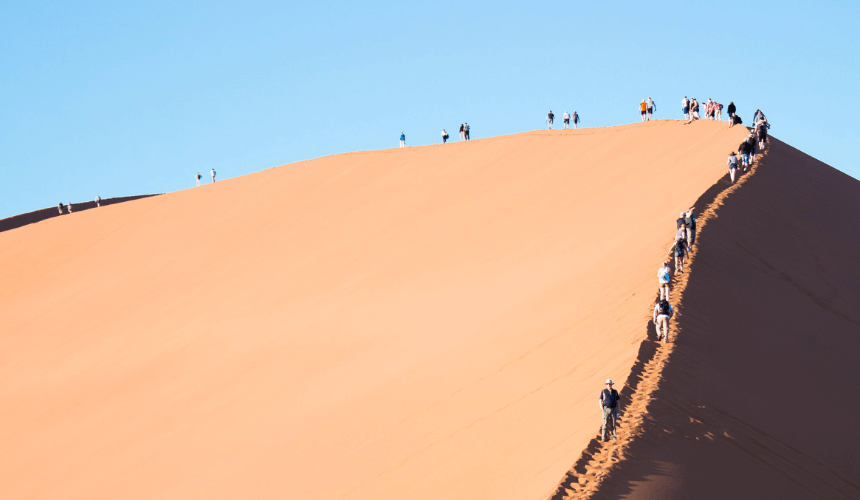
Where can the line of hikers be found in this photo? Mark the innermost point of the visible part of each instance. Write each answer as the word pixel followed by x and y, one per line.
pixel 647 108
pixel 566 117
pixel 69 206
pixel 749 147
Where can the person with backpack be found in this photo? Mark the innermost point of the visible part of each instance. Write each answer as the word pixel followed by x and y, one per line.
pixel 98 201
pixel 444 136
pixel 679 249
pixel 402 140
pixel 662 312
pixel 651 108
pixel 664 276
pixel 752 147
pixel 732 110
pixel 212 173
pixel 719 111
pixel 690 226
pixel 462 134
pixel 762 127
pixel 60 208
pixel 685 107
pixel 609 408
pixel 549 118
pixel 466 130
pixel 733 165
pixel 198 177
pixel 575 119
pixel 643 109
pixel 566 118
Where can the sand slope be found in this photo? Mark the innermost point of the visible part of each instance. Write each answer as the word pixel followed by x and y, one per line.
pixel 430 322
pixel 758 398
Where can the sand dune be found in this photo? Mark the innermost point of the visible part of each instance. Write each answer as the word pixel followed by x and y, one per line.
pixel 757 397
pixel 430 322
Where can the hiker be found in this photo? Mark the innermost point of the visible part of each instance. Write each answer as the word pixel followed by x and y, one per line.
pixel 664 276
pixel 462 133
pixel 575 119
pixel 695 111
pixel 566 119
pixel 679 249
pixel 753 147
pixel 718 109
pixel 744 150
pixel 60 208
pixel 609 408
pixel 643 108
pixel 755 116
pixel 444 136
pixel 685 107
pixel 402 139
pixel 662 312
pixel 761 129
pixel 732 110
pixel 98 201
pixel 466 130
pixel 733 165
pixel 69 207
pixel 198 177
pixel 690 228
pixel 549 118
pixel 212 173
pixel 651 107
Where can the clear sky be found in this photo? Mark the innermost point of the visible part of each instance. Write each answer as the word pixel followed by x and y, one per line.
pixel 121 98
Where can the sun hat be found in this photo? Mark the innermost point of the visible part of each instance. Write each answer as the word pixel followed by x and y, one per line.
pixel 609 381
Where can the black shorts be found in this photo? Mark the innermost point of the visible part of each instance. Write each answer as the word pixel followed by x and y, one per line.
pixel 643 112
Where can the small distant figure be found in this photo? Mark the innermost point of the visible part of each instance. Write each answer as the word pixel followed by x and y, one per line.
pixel 60 208
pixel 752 147
pixel 462 132
pixel 733 165
pixel 609 407
pixel 198 177
pixel 98 201
pixel 755 116
pixel 732 109
pixel 466 130
pixel 709 109
pixel 685 107
pixel 664 277
pixel 643 109
pixel 718 110
pixel 694 110
pixel 690 227
pixel 566 119
pixel 575 118
pixel 212 173
pixel 444 136
pixel 651 108
pixel 679 249
pixel 69 207
pixel 402 140
pixel 662 312
pixel 761 131
pixel 549 119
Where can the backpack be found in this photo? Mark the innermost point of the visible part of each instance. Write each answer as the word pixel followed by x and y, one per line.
pixel 664 275
pixel 665 308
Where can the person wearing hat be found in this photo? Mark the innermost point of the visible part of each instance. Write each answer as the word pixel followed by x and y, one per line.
pixel 733 165
pixel 609 408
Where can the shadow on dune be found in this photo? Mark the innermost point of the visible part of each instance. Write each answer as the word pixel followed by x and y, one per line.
pixel 17 221
pixel 753 401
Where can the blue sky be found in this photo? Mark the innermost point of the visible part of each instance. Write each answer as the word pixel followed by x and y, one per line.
pixel 124 98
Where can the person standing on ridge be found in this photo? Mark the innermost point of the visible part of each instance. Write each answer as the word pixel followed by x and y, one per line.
pixel 575 119
pixel 69 207
pixel 679 249
pixel 98 201
pixel 462 133
pixel 651 108
pixel 609 408
pixel 690 227
pixel 643 108
pixel 444 136
pixel 685 107
pixel 732 110
pixel 60 208
pixel 662 312
pixel 198 177
pixel 402 139
pixel 733 165
pixel 549 119
pixel 566 119
pixel 212 173
pixel 466 130
pixel 664 277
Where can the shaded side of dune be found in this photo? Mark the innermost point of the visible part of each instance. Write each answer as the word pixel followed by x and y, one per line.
pixel 20 220
pixel 758 398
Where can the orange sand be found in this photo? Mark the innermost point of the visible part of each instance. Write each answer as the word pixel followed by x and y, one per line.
pixel 430 322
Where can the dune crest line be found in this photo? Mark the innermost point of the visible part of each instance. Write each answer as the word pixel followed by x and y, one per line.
pixel 598 459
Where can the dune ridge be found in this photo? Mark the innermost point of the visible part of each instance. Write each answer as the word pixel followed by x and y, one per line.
pixel 431 322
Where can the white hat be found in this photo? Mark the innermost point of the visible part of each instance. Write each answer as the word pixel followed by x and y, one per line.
pixel 609 381
pixel 683 214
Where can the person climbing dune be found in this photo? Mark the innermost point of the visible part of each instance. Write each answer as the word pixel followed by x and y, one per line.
pixel 664 276
pixel 662 312
pixel 609 408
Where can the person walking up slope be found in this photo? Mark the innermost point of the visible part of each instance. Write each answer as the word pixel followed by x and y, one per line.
pixel 444 136
pixel 685 107
pixel 733 165
pixel 198 177
pixel 643 109
pixel 664 276
pixel 679 249
pixel 609 408
pixel 549 119
pixel 60 208
pixel 402 139
pixel 662 312
pixel 212 173
pixel 651 108
pixel 575 119
pixel 732 109
pixel 566 119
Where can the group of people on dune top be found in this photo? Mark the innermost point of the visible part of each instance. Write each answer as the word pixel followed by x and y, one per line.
pixel 646 109
pixel 684 241
pixel 69 206
pixel 566 118
pixel 713 109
